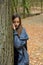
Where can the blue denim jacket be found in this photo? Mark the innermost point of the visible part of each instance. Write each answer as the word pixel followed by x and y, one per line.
pixel 19 42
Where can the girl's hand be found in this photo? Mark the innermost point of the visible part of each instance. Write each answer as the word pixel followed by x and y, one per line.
pixel 13 26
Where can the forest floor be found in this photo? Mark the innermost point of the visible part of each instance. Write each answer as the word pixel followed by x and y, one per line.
pixel 34 28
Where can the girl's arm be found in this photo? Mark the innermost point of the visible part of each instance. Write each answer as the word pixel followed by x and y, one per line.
pixel 18 43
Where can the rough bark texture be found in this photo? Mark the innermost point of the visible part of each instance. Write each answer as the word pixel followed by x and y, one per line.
pixel 6 36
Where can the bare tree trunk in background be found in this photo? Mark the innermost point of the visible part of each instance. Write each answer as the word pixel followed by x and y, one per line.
pixel 41 6
pixel 6 36
pixel 23 1
pixel 25 7
pixel 15 3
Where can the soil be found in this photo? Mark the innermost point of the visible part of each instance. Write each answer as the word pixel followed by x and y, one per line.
pixel 34 28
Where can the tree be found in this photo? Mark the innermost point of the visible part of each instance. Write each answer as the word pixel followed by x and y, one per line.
pixel 26 6
pixel 15 5
pixel 41 6
pixel 6 36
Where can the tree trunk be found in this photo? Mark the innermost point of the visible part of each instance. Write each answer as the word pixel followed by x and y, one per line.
pixel 6 35
pixel 23 2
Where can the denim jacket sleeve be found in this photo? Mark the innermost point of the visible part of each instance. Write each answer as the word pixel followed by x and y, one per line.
pixel 24 35
pixel 20 41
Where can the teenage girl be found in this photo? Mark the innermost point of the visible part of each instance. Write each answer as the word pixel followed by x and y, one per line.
pixel 20 38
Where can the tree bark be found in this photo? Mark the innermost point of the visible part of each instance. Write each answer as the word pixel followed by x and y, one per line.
pixel 6 35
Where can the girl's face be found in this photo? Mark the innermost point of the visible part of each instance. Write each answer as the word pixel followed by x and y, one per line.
pixel 16 22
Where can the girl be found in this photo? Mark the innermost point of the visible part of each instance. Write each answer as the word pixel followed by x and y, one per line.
pixel 20 39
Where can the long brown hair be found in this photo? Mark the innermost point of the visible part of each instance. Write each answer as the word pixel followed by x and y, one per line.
pixel 19 30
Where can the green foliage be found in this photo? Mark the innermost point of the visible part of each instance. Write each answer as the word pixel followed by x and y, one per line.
pixel 25 5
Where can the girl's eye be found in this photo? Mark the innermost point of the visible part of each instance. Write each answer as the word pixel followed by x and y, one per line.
pixel 15 21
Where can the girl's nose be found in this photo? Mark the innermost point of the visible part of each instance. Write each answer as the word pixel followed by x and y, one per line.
pixel 15 23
